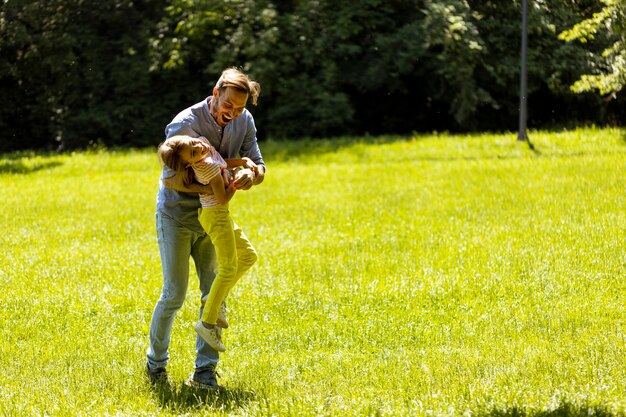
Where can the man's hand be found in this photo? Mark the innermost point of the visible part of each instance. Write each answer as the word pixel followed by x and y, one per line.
pixel 247 177
pixel 175 183
pixel 248 163
pixel 244 179
pixel 259 174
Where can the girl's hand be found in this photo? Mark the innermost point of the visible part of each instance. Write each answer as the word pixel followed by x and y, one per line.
pixel 230 190
pixel 226 177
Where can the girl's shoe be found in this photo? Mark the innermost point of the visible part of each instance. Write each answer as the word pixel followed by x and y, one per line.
pixel 210 335
pixel 221 316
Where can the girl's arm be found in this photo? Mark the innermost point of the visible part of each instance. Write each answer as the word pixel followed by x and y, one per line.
pixel 238 162
pixel 222 194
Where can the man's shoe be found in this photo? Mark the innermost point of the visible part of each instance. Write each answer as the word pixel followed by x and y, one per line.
pixel 204 378
pixel 221 316
pixel 210 335
pixel 157 375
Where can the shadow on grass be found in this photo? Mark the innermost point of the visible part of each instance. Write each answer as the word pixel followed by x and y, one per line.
pixel 286 150
pixel 17 166
pixel 563 410
pixel 289 151
pixel 182 398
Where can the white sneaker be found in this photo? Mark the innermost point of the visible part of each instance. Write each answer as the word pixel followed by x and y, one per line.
pixel 221 316
pixel 211 336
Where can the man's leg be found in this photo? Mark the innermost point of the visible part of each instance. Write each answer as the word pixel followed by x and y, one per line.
pixel 175 244
pixel 207 358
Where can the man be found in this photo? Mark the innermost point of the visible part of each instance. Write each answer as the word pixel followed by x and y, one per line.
pixel 223 119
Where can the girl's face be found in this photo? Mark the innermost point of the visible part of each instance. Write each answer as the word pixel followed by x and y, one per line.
pixel 194 150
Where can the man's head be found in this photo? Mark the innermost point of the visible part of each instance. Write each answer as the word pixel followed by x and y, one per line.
pixel 230 95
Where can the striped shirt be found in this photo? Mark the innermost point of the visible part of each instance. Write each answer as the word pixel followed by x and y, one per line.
pixel 205 170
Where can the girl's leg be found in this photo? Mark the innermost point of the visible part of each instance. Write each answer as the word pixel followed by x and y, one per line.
pixel 246 258
pixel 246 254
pixel 219 226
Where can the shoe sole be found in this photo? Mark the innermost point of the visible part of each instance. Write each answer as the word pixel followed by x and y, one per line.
pixel 195 384
pixel 158 378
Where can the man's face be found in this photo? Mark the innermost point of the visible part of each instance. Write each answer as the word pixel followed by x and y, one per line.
pixel 227 105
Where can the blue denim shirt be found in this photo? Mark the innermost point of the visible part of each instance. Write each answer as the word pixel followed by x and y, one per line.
pixel 238 139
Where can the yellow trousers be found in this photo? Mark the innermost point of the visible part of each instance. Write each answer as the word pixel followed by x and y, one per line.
pixel 233 252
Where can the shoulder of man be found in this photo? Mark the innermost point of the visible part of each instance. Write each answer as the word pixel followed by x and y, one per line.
pixel 189 113
pixel 245 120
pixel 187 122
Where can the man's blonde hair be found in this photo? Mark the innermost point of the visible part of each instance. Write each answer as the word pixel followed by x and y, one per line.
pixel 235 78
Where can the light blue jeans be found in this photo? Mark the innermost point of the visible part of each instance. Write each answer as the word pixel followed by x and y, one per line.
pixel 176 244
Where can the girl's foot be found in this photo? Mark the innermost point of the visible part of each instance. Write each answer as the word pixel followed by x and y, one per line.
pixel 221 316
pixel 210 334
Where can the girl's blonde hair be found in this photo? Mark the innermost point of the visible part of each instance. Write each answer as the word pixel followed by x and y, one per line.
pixel 169 154
pixel 235 78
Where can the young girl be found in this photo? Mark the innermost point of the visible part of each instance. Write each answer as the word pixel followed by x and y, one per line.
pixel 195 158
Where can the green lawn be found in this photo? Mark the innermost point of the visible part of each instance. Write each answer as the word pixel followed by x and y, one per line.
pixel 427 275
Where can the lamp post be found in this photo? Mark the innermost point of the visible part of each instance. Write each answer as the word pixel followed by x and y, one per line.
pixel 522 136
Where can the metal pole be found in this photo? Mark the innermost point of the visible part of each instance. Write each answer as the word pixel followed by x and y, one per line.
pixel 522 136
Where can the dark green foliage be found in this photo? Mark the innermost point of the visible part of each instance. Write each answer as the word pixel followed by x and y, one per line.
pixel 78 73
pixel 373 66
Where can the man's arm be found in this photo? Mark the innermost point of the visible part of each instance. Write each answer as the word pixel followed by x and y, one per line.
pixel 259 174
pixel 250 149
pixel 176 183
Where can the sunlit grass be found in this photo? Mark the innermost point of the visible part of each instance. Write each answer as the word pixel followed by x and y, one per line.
pixel 427 275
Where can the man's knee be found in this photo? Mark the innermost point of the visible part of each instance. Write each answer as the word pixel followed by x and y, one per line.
pixel 173 299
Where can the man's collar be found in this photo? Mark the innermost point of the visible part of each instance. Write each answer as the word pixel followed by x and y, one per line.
pixel 209 100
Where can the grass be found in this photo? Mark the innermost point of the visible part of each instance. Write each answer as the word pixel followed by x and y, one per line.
pixel 426 275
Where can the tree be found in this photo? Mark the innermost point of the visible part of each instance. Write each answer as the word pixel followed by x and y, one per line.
pixel 77 72
pixel 610 74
